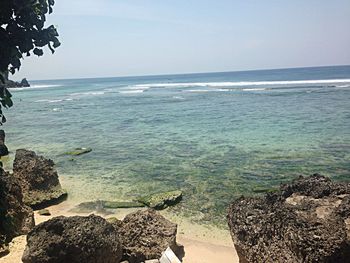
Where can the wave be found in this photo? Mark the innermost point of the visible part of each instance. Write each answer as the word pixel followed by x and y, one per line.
pixel 89 93
pixel 131 91
pixel 240 83
pixel 53 100
pixel 255 89
pixel 42 86
pixel 207 90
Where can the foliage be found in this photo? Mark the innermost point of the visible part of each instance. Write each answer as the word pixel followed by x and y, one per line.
pixel 22 31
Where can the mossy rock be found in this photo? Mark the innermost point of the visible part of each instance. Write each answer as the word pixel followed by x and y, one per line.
pixel 117 204
pixel 42 199
pixel 78 151
pixel 161 200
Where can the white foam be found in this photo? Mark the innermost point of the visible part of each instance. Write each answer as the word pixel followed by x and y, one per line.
pixel 255 89
pixel 131 91
pixel 239 83
pixel 89 93
pixel 42 86
pixel 207 90
pixel 49 101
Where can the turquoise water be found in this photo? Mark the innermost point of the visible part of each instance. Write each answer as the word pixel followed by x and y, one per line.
pixel 214 136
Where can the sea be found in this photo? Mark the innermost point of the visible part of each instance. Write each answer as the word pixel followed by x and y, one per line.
pixel 215 136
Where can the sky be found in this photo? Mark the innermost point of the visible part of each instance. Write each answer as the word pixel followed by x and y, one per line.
pixel 110 38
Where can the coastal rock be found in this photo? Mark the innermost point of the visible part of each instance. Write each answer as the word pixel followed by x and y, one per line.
pixel 15 217
pixel 306 221
pixel 78 151
pixel 14 84
pixel 145 235
pixel 24 83
pixel 73 239
pixel 161 200
pixel 3 148
pixel 38 179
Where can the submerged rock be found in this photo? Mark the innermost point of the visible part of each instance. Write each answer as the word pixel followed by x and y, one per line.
pixel 102 207
pixel 121 204
pixel 38 179
pixel 73 239
pixel 161 200
pixel 306 221
pixel 16 218
pixel 145 235
pixel 78 151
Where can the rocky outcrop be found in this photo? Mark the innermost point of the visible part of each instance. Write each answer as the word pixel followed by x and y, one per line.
pixel 15 217
pixel 145 235
pixel 161 200
pixel 14 84
pixel 3 148
pixel 38 179
pixel 73 239
pixel 306 221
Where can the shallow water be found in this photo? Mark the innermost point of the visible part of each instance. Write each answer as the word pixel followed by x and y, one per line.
pixel 215 136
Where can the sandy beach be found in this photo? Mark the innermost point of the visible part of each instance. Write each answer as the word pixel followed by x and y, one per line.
pixel 202 244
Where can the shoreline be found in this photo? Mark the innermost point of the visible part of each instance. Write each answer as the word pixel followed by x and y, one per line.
pixel 202 244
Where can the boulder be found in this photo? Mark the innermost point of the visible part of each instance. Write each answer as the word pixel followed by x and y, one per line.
pixel 16 218
pixel 38 179
pixel 24 83
pixel 73 239
pixel 145 235
pixel 161 200
pixel 3 148
pixel 305 221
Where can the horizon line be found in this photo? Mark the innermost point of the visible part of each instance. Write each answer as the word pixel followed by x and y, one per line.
pixel 190 73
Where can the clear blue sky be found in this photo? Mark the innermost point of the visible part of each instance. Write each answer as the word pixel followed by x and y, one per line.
pixel 142 37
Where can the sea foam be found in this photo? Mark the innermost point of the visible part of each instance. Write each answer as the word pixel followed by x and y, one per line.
pixel 240 83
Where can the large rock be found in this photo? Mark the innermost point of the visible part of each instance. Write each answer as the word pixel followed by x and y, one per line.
pixel 145 235
pixel 3 148
pixel 38 179
pixel 73 239
pixel 306 221
pixel 15 217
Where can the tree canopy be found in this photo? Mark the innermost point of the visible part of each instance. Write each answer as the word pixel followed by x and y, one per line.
pixel 22 32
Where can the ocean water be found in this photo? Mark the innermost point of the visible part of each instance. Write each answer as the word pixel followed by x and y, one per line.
pixel 215 136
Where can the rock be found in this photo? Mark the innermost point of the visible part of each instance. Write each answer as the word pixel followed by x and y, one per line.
pixel 14 84
pixel 119 204
pixel 78 151
pixel 16 218
pixel 73 239
pixel 306 221
pixel 44 212
pixel 24 83
pixel 92 206
pixel 145 235
pixel 101 206
pixel 161 200
pixel 38 179
pixel 3 148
